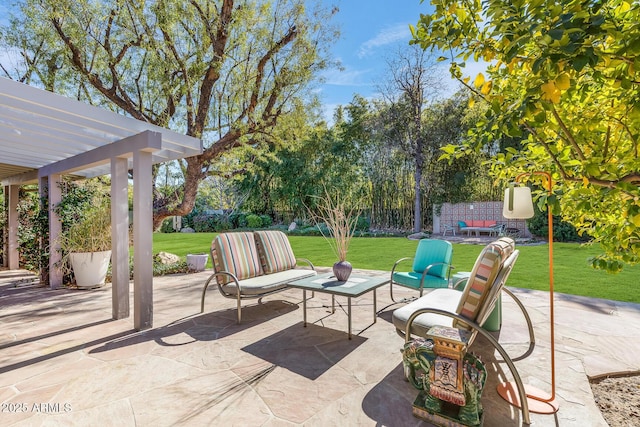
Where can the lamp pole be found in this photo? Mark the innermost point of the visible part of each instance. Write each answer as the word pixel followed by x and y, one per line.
pixel 535 398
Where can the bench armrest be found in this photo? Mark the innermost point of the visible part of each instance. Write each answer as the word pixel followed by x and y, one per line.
pixel 307 261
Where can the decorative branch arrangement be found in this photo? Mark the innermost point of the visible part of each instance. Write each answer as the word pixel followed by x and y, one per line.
pixel 340 216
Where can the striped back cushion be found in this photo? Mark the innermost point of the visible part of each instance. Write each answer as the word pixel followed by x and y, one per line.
pixel 483 275
pixel 275 251
pixel 235 253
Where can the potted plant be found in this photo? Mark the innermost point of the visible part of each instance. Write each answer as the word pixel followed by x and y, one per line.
pixel 85 240
pixel 340 218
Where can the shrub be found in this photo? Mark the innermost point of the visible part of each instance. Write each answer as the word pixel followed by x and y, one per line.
pixel 253 221
pixel 204 223
pixel 266 220
pixel 238 220
pixel 363 223
pixel 167 226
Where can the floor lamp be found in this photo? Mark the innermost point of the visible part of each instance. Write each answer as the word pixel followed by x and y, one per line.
pixel 518 204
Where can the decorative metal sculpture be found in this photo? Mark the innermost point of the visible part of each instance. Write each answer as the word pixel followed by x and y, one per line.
pixel 450 380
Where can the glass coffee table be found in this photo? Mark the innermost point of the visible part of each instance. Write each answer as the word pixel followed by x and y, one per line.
pixel 357 285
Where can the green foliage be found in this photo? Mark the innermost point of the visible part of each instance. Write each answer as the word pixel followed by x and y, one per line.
pixel 267 221
pixel 363 223
pixel 365 154
pixel 562 230
pixel 238 220
pixel 254 221
pixel 160 269
pixel 33 230
pixel 211 223
pixel 2 223
pixel 167 226
pixel 85 213
pixel 224 72
pixel 563 79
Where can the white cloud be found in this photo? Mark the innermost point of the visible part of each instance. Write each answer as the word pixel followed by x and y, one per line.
pixel 346 77
pixel 387 36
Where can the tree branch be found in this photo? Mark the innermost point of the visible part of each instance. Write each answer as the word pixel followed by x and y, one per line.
pixel 212 74
pixel 568 134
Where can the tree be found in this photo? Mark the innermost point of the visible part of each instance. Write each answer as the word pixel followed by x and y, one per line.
pixel 223 71
pixel 293 177
pixel 414 82
pixel 562 77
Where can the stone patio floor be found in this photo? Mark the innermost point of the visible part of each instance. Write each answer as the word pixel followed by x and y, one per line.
pixel 64 362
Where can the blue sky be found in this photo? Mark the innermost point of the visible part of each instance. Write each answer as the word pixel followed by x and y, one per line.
pixel 371 32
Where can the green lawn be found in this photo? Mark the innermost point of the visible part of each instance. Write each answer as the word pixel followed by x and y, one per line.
pixel 572 273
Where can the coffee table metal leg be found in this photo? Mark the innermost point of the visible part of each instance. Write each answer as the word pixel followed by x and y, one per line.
pixel 349 314
pixel 333 303
pixel 304 307
pixel 375 318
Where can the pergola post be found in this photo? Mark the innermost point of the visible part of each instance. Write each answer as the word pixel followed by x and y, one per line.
pixel 143 236
pixel 119 238
pixel 12 255
pixel 54 192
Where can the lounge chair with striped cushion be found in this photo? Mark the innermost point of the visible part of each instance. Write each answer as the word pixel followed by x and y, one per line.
pixel 253 265
pixel 475 303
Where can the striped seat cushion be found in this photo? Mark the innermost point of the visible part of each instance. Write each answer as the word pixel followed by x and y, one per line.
pixel 482 277
pixel 236 253
pixel 275 251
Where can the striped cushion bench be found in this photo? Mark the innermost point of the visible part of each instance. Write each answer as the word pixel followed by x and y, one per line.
pixel 253 265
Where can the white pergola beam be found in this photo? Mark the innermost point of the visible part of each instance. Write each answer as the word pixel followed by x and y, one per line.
pixel 123 148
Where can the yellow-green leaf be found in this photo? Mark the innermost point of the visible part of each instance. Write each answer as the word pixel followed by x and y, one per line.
pixel 563 81
pixel 486 87
pixel 479 81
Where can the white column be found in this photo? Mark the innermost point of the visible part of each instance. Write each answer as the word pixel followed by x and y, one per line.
pixel 51 183
pixel 5 238
pixel 119 239
pixel 143 238
pixel 12 254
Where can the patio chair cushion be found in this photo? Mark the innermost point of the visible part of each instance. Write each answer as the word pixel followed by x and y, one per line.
pixel 236 253
pixel 482 277
pixel 443 299
pixel 412 280
pixel 433 251
pixel 462 224
pixel 275 251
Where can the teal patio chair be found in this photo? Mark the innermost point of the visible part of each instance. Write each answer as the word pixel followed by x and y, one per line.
pixel 431 267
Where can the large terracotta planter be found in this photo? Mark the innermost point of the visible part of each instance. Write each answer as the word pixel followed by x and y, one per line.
pixel 90 268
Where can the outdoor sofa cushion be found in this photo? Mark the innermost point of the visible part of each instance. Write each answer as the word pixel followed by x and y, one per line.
pixel 268 283
pixel 476 223
pixel 237 254
pixel 275 251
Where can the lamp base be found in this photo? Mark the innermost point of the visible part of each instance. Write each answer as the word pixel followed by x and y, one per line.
pixel 536 398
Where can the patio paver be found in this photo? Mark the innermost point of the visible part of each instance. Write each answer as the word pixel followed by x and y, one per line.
pixel 65 362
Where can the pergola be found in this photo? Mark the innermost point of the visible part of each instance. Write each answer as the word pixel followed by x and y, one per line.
pixel 44 136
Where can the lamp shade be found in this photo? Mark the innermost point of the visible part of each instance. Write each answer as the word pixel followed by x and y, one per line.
pixel 517 203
